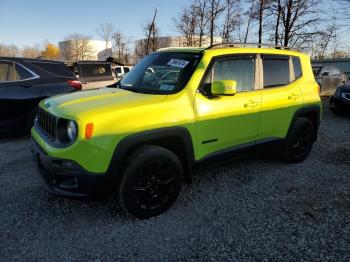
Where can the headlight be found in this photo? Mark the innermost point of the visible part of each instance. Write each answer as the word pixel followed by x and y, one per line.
pixel 72 130
pixel 67 131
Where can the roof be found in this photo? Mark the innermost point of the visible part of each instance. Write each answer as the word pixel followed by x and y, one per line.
pixel 226 49
pixel 20 59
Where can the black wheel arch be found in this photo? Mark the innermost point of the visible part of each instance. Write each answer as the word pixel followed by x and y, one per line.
pixel 312 112
pixel 176 139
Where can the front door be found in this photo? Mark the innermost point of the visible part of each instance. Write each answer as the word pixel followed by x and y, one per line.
pixel 225 122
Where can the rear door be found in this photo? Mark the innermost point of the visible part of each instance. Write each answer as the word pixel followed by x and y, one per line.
pixel 281 95
pixel 18 92
pixel 54 77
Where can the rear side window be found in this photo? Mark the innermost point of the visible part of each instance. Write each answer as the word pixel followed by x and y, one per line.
pixel 276 70
pixel 297 67
pixel 240 69
pixel 57 69
pixel 22 73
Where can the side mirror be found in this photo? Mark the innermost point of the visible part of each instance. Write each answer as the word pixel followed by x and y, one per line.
pixel 224 87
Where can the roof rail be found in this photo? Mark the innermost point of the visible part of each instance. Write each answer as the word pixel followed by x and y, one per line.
pixel 251 45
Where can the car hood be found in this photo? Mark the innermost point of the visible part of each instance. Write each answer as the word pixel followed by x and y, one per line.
pixel 76 104
pixel 345 88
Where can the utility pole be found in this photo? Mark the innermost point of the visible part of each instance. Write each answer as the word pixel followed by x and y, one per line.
pixel 151 28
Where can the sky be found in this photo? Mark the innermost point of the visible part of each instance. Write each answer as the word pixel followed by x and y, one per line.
pixel 28 22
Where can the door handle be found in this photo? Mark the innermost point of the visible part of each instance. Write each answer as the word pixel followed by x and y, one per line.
pixel 26 86
pixel 293 97
pixel 251 104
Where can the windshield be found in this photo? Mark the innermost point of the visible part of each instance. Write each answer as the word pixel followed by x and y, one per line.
pixel 161 73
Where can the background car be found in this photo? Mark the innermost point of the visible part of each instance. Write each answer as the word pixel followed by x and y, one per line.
pixel 328 77
pixel 24 82
pixel 93 74
pixel 121 71
pixel 340 101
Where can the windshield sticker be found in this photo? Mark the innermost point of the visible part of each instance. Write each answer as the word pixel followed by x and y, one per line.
pixel 178 63
pixel 166 87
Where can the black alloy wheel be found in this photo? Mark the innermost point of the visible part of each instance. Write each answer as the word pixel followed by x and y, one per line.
pixel 155 185
pixel 299 141
pixel 151 182
pixel 303 141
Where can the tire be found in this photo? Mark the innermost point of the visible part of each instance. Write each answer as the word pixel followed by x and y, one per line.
pixel 299 141
pixel 333 107
pixel 151 182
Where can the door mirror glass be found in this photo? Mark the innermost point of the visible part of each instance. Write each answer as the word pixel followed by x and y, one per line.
pixel 224 87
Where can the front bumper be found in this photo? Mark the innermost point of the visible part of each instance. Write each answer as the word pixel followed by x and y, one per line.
pixel 341 103
pixel 67 178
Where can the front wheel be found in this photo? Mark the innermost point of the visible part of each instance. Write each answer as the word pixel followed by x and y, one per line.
pixel 151 181
pixel 299 141
pixel 333 107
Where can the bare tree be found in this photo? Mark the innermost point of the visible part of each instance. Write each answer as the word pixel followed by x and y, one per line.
pixel 201 19
pixel 105 31
pixel 257 13
pixel 298 18
pixel 187 24
pixel 231 20
pixel 215 9
pixel 277 9
pixel 31 51
pixel 9 50
pixel 120 47
pixel 76 47
pixel 250 17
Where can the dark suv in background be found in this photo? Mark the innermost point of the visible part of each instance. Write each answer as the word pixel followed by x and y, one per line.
pixel 93 74
pixel 328 78
pixel 24 82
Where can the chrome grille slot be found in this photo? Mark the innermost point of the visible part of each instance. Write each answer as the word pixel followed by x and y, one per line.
pixel 47 124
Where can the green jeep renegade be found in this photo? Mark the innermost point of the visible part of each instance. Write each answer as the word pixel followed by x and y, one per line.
pixel 178 107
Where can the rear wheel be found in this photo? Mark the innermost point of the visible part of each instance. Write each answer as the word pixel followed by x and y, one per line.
pixel 151 181
pixel 333 107
pixel 299 141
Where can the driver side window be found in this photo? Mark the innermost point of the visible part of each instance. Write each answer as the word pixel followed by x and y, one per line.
pixel 239 68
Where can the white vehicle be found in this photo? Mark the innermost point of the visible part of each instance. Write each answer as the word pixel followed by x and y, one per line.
pixel 121 71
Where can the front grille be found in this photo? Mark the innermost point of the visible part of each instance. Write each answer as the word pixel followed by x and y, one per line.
pixel 47 124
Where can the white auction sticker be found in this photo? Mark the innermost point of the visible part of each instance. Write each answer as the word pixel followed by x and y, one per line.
pixel 178 63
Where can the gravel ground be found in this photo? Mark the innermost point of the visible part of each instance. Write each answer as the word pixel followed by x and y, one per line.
pixel 253 209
